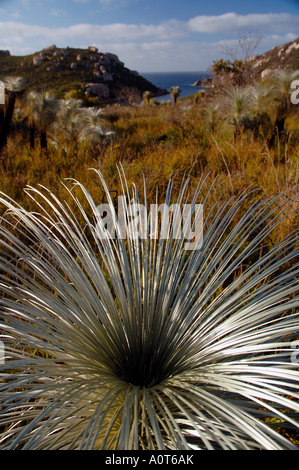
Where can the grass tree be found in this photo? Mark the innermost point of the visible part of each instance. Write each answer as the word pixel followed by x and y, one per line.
pixel 76 123
pixel 91 127
pixel 146 96
pixel 212 113
pixel 28 110
pixel 40 110
pixel 175 93
pixel 67 126
pixel 259 112
pixel 281 81
pixel 262 97
pixel 13 87
pixel 238 103
pixel 46 108
pixel 137 343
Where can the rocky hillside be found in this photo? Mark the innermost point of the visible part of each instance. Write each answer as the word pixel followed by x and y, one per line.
pixel 285 56
pixel 63 69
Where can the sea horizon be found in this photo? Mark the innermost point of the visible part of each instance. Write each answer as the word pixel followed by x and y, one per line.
pixel 185 80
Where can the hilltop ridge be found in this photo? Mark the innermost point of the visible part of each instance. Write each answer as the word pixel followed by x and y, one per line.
pixel 285 56
pixel 63 69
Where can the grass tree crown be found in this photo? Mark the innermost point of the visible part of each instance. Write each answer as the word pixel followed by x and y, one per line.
pixel 137 343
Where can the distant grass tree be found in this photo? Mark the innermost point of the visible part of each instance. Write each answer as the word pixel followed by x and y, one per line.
pixel 46 108
pixel 238 103
pixel 139 344
pixel 91 127
pixel 76 123
pixel 261 110
pixel 212 112
pixel 175 93
pixel 66 127
pixel 40 109
pixel 281 81
pixel 146 96
pixel 13 87
pixel 28 110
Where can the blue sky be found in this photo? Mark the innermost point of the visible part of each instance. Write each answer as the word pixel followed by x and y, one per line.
pixel 148 35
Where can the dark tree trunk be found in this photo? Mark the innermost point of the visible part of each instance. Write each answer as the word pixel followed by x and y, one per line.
pixel 2 117
pixel 32 135
pixel 43 140
pixel 280 125
pixel 5 124
pixel 281 115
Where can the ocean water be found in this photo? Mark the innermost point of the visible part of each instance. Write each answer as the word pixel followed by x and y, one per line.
pixel 184 80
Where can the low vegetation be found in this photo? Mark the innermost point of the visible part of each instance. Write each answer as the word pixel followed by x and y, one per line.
pixel 243 136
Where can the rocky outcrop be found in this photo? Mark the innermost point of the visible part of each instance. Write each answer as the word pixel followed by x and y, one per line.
pixel 4 52
pixel 294 45
pixel 38 59
pixel 282 57
pixel 107 76
pixel 60 69
pixel 107 58
pixel 51 48
pixel 265 72
pixel 97 89
pixel 285 56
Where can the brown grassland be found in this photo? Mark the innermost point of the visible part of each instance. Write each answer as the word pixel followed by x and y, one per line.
pixel 199 137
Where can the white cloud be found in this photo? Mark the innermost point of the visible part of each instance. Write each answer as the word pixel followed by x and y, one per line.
pixel 164 55
pixel 232 23
pixel 268 24
pixel 169 45
pixel 178 56
pixel 166 30
pixel 91 32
